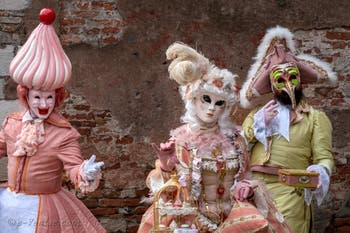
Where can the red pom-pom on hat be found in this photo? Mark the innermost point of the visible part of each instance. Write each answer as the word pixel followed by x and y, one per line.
pixel 47 16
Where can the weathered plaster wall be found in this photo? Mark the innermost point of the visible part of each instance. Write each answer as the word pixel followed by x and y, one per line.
pixel 121 98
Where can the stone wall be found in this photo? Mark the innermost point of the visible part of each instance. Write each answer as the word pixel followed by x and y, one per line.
pixel 121 99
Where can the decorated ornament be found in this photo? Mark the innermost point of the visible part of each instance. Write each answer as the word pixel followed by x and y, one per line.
pixel 41 63
pixel 47 16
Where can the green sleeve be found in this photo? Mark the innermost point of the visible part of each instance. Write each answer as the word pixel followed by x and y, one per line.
pixel 321 141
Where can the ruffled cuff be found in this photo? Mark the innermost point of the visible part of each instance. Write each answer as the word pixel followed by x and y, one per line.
pixel 320 192
pixel 86 185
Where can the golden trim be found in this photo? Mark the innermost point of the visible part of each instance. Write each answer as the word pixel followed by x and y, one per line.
pixel 16 170
pixel 16 115
pixel 24 176
pixel 63 123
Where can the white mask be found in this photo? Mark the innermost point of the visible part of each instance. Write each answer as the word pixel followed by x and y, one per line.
pixel 41 103
pixel 209 107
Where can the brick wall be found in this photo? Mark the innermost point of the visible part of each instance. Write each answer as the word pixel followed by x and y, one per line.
pixel 118 49
pixel 92 22
pixel 117 201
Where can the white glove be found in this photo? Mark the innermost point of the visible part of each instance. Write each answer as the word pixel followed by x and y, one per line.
pixel 92 169
pixel 322 188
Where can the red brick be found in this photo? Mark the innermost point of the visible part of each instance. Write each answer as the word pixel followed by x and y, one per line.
pixel 103 114
pixel 342 221
pixel 339 45
pixel 338 35
pixel 96 194
pixel 90 203
pixel 82 107
pixel 125 140
pixel 75 30
pixel 109 6
pixel 100 138
pixel 84 131
pixel 83 123
pixel 93 31
pixel 103 211
pixel 327 59
pixel 343 229
pixel 70 40
pixel 101 22
pixel 103 130
pixel 82 116
pixel 140 210
pixel 315 102
pixel 109 40
pixel 337 102
pixel 143 192
pixel 79 21
pixel 97 4
pixel 119 202
pixel 124 158
pixel 82 5
pixel 132 229
pixel 343 170
pixel 4 13
pixel 111 30
pixel 66 21
pixel 85 14
pixel 9 28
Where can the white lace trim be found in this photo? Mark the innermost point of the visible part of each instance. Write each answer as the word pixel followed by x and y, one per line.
pixel 212 165
pixel 206 222
pixel 168 210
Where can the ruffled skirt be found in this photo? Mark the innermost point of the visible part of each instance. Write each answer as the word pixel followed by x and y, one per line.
pixel 49 213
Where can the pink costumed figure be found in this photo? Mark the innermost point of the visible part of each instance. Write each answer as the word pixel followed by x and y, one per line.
pixel 41 144
pixel 208 157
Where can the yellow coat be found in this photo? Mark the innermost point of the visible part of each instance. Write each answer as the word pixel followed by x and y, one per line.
pixel 310 142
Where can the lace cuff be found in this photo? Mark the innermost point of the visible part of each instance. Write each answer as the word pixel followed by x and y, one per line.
pixel 323 185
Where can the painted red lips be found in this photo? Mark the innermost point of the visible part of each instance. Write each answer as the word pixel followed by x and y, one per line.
pixel 43 111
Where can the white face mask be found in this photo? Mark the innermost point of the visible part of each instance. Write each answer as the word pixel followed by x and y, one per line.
pixel 41 103
pixel 209 107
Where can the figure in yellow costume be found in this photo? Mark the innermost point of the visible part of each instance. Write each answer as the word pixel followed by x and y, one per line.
pixel 287 133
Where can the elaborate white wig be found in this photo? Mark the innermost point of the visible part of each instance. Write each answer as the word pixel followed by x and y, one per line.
pixel 197 76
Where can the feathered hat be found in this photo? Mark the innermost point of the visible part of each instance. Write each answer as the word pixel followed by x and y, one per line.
pixel 195 74
pixel 277 47
pixel 41 62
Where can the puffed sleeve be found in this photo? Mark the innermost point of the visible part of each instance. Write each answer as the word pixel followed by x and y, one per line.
pixel 70 155
pixel 248 127
pixel 321 141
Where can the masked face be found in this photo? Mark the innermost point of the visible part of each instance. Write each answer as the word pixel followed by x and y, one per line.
pixel 209 108
pixel 41 103
pixel 285 79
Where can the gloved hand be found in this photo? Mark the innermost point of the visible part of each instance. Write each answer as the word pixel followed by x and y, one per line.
pixel 244 190
pixel 270 111
pixel 91 169
pixel 166 154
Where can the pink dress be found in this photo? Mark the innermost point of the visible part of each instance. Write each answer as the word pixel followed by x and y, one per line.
pixel 213 162
pixel 36 181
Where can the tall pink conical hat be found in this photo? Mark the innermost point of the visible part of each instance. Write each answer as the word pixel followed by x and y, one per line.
pixel 41 62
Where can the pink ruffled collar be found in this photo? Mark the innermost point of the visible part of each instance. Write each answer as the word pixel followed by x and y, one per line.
pixel 203 140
